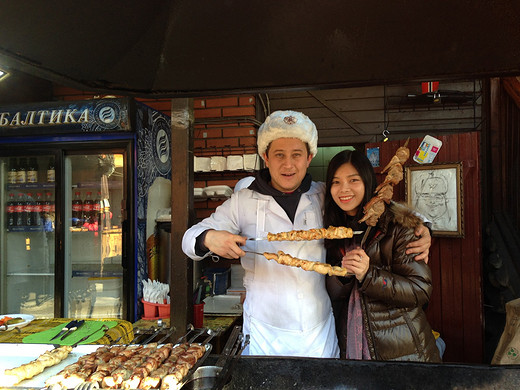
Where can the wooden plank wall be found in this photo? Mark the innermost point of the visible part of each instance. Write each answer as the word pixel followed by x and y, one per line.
pixel 359 115
pixel 455 309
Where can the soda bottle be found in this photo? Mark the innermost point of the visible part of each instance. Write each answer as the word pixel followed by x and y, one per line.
pixel 48 212
pixel 10 211
pixel 51 171
pixel 12 174
pixel 88 207
pixel 21 173
pixel 29 210
pixel 19 206
pixel 32 171
pixel 77 210
pixel 38 210
pixel 96 211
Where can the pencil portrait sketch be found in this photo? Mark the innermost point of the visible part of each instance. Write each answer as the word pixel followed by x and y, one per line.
pixel 435 191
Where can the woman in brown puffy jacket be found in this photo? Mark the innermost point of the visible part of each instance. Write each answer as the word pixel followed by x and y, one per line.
pixel 379 310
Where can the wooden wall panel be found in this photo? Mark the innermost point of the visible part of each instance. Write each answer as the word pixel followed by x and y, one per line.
pixel 455 308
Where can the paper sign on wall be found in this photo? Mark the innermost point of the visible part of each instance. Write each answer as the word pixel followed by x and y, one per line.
pixel 427 150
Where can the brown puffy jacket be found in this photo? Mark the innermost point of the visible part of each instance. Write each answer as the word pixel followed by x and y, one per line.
pixel 393 293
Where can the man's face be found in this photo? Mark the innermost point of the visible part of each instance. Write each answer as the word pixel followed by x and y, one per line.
pixel 287 160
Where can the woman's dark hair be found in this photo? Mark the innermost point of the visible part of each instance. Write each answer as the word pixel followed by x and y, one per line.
pixel 333 214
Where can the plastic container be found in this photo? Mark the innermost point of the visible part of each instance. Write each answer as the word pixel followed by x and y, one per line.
pixel 219 278
pixel 155 311
pixel 198 315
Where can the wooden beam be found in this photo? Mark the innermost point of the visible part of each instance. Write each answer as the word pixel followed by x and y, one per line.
pixel 181 270
pixel 512 86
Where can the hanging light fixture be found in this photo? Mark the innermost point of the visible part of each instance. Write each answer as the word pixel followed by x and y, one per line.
pixel 3 74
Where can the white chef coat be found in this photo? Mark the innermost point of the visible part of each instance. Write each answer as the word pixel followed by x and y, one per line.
pixel 287 311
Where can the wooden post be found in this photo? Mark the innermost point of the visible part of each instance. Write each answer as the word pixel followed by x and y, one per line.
pixel 181 270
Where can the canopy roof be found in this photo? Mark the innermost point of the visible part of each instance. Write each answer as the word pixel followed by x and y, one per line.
pixel 193 48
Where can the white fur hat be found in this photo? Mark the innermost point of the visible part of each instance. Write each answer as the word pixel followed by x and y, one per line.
pixel 287 124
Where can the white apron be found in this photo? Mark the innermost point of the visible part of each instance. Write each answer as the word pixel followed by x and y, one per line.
pixel 287 311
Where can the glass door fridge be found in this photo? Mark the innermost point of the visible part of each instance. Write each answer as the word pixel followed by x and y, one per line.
pixel 93 277
pixel 65 231
pixel 27 237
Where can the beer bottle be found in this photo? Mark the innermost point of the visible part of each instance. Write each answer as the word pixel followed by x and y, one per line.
pixel 32 171
pixel 21 173
pixel 51 171
pixel 12 174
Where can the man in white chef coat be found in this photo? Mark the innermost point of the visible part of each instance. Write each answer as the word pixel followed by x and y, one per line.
pixel 287 311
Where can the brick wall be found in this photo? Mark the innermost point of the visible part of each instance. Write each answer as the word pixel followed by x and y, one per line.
pixel 224 126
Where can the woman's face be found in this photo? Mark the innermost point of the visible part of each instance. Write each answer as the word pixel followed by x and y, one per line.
pixel 347 189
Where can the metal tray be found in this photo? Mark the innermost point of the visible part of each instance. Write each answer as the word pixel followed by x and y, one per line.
pixel 14 355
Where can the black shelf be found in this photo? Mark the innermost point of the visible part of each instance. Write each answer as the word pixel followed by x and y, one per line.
pixel 223 174
pixel 25 229
pixel 30 186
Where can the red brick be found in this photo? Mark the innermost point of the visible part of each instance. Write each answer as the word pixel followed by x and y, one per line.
pixel 199 103
pixel 208 113
pixel 239 132
pixel 213 204
pixel 247 124
pixel 239 111
pixel 224 124
pixel 222 102
pixel 203 213
pixel 207 133
pixel 199 143
pixel 221 142
pixel 247 141
pixel 246 100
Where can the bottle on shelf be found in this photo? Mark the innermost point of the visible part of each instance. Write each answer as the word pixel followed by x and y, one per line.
pixel 21 173
pixel 88 207
pixel 97 211
pixel 10 211
pixel 12 174
pixel 29 210
pixel 38 210
pixel 48 212
pixel 19 206
pixel 32 171
pixel 77 210
pixel 51 171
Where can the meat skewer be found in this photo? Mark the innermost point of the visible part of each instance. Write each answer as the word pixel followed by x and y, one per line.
pixel 375 207
pixel 307 265
pixel 50 358
pixel 312 234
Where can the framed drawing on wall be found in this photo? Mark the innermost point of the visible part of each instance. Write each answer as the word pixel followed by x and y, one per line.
pixel 436 192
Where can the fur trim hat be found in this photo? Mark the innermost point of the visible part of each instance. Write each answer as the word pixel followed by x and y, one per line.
pixel 287 124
